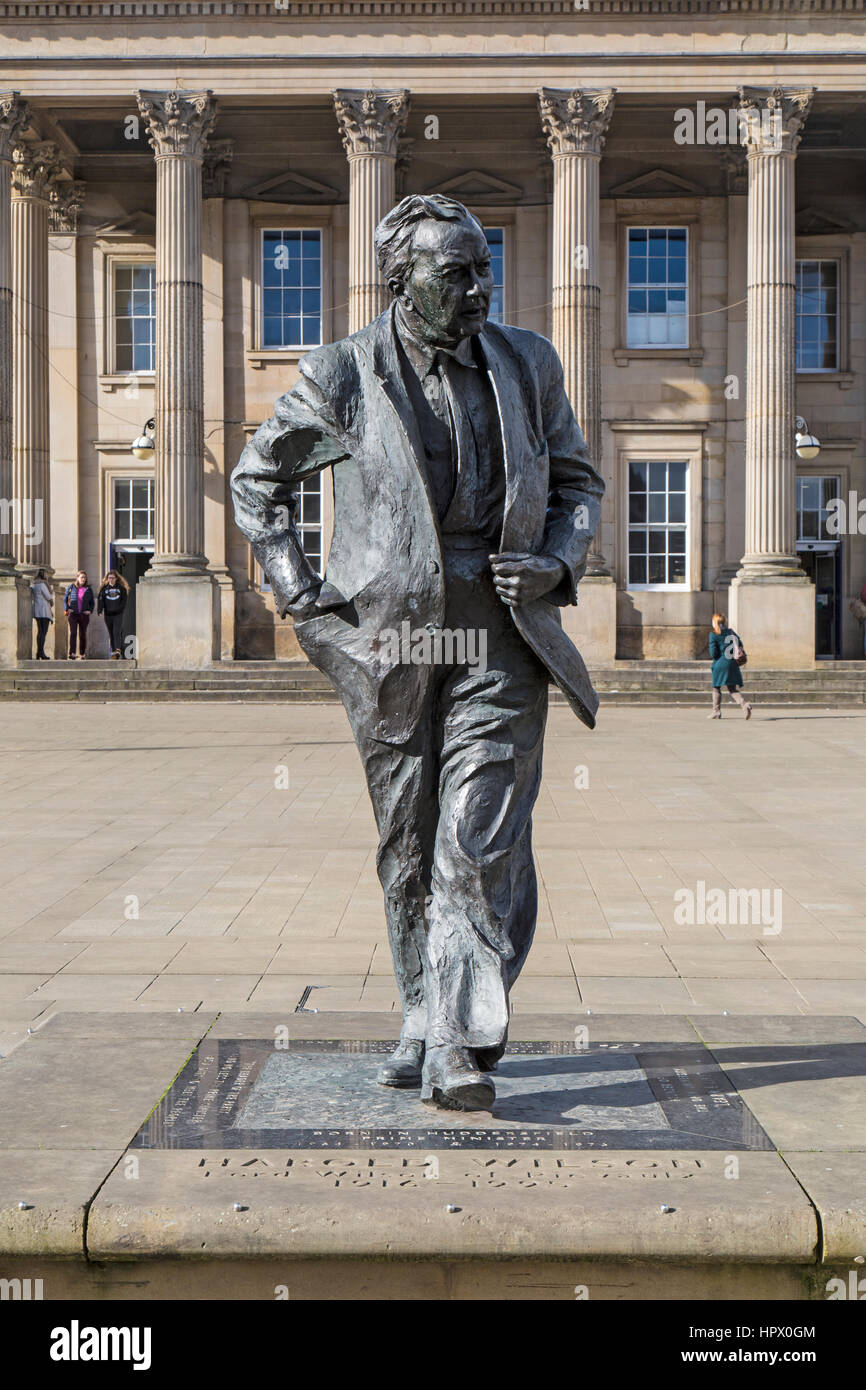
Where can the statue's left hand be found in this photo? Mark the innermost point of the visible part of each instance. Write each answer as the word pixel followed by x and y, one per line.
pixel 520 577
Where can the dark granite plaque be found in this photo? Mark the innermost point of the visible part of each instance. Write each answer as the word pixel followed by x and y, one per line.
pixel 324 1095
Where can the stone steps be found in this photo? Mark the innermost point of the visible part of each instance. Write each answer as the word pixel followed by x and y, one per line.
pixel 628 683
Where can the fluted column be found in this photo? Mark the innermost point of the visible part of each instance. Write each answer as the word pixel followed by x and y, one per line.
pixel 771 600
pixel 178 125
pixel 371 124
pixel 14 115
pixel 771 123
pixel 576 123
pixel 34 167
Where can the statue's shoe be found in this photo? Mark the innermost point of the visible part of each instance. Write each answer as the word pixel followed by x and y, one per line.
pixel 403 1067
pixel 487 1058
pixel 452 1080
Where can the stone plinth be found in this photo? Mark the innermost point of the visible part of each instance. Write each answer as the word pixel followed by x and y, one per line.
pixel 592 624
pixel 16 623
pixel 775 620
pixel 178 621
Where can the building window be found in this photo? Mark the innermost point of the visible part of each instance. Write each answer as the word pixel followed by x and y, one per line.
pixel 657 525
pixel 291 288
pixel 817 290
pixel 657 287
pixel 133 509
pixel 308 522
pixel 496 242
pixel 134 317
pixel 814 496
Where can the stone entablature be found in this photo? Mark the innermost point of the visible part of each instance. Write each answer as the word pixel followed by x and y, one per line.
pixel 337 9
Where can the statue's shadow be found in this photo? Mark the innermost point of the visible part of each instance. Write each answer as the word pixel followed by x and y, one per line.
pixel 567 1099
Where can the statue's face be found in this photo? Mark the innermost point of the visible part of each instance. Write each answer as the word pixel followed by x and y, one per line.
pixel 446 296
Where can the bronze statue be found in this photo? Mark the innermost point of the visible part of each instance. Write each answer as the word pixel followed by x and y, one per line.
pixel 465 503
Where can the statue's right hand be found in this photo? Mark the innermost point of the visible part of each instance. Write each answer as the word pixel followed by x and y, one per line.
pixel 312 603
pixel 304 606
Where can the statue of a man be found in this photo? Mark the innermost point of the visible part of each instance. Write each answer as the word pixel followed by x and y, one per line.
pixel 464 506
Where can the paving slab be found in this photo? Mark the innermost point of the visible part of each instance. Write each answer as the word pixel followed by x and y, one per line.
pixel 836 1184
pixel 86 1093
pixel 119 1027
pixel 805 1095
pixel 57 1187
pixel 784 1028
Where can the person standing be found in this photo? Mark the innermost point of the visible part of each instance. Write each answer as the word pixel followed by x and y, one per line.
pixel 43 606
pixel 725 647
pixel 110 602
pixel 78 603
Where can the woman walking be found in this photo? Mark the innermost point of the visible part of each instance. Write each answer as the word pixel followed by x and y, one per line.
pixel 725 649
pixel 43 605
pixel 78 603
pixel 110 602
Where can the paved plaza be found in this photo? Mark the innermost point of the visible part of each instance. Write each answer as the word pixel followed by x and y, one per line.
pixel 222 857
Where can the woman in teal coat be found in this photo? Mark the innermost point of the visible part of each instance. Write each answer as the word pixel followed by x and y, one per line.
pixel 723 642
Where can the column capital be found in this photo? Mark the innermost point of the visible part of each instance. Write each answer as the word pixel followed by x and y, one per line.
pixel 178 123
pixel 371 122
pixel 217 161
pixel 65 199
pixel 14 116
pixel 576 120
pixel 772 118
pixel 34 168
pixel 735 166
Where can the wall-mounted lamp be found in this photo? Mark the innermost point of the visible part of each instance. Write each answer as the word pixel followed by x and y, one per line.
pixel 806 445
pixel 143 447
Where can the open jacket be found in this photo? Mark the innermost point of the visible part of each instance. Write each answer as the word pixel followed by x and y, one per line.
pixel 350 409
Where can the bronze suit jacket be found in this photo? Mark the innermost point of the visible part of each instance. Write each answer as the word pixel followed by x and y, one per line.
pixel 350 409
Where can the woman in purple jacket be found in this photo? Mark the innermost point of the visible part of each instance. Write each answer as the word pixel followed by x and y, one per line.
pixel 78 602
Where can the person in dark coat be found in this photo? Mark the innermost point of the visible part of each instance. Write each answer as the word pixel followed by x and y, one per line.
pixel 78 603
pixel 110 602
pixel 726 671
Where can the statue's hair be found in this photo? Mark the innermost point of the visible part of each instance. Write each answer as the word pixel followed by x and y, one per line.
pixel 395 234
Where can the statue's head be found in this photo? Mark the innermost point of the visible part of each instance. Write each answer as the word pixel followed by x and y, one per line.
pixel 434 257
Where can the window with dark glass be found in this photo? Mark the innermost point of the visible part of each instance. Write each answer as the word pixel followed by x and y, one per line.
pixel 291 288
pixel 657 287
pixel 657 522
pixel 496 242
pixel 814 496
pixel 817 294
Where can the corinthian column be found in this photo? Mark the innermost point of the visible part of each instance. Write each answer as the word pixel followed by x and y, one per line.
pixel 771 595
pixel 14 115
pixel 178 126
pixel 15 624
pixel 34 167
pixel 371 124
pixel 576 124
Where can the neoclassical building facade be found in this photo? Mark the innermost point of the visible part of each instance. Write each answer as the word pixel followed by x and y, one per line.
pixel 674 191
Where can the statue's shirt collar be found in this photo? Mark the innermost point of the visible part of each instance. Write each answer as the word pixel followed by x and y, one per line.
pixel 422 354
